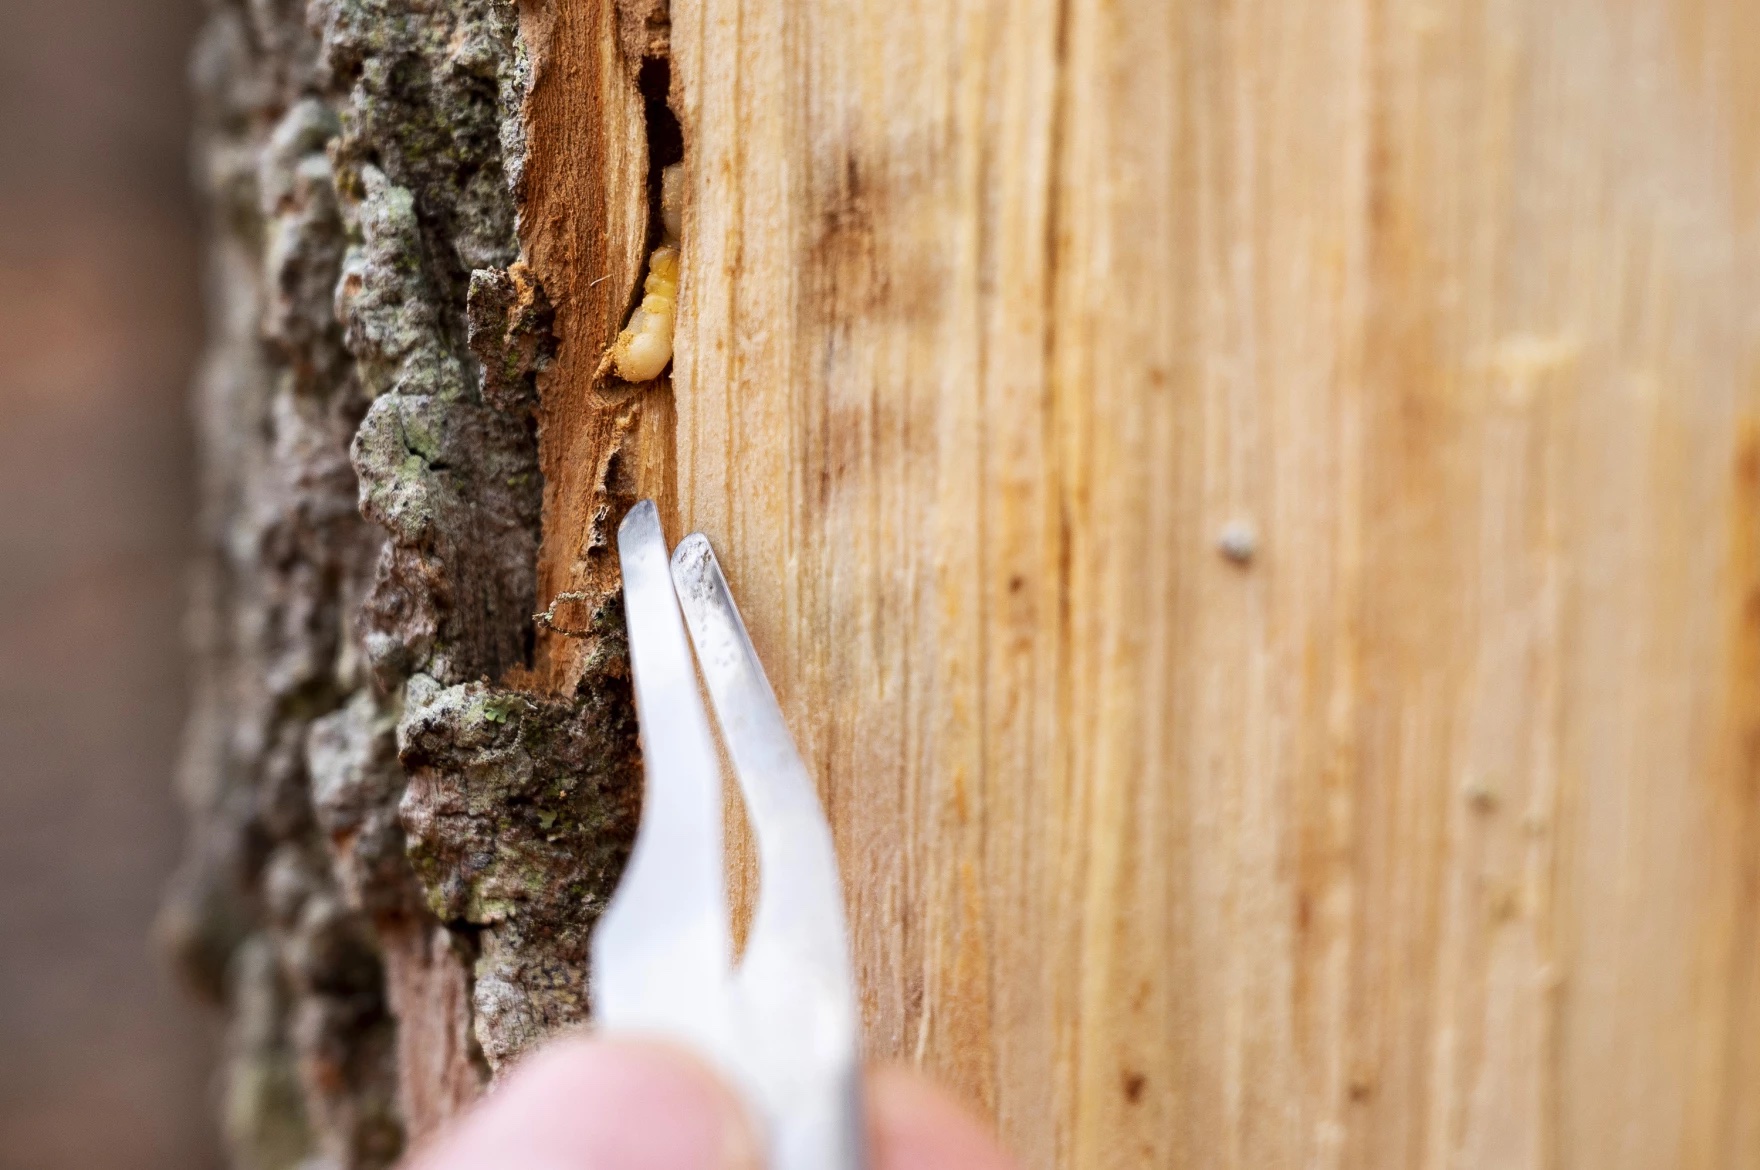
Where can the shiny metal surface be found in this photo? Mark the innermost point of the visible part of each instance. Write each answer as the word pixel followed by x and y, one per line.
pixel 782 1024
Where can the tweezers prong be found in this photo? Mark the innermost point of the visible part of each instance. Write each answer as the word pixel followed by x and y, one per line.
pixel 795 991
pixel 783 1024
pixel 662 951
pixel 800 906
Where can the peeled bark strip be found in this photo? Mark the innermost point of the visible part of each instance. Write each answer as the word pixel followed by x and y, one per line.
pixel 410 801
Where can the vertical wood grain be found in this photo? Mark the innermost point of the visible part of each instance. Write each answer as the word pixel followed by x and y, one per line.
pixel 583 226
pixel 1428 836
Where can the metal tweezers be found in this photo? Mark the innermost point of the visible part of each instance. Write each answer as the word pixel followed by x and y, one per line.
pixel 781 1023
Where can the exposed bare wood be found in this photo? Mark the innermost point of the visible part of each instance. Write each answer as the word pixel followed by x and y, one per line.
pixel 584 206
pixel 1419 829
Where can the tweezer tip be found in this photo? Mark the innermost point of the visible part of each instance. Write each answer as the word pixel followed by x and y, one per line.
pixel 643 515
pixel 693 547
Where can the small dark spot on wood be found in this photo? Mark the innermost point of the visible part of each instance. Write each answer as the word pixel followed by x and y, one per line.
pixel 1016 583
pixel 1134 1084
pixel 1747 474
pixel 1480 795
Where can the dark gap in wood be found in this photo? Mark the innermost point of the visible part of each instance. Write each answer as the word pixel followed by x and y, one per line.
pixel 665 137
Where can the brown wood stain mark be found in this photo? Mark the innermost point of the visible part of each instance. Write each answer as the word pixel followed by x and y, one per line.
pixel 1729 972
pixel 584 205
pixel 1406 623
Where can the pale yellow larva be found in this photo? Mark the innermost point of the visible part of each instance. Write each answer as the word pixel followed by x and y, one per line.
pixel 644 347
pixel 672 201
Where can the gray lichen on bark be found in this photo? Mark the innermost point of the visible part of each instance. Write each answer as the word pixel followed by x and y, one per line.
pixel 518 810
pixel 396 853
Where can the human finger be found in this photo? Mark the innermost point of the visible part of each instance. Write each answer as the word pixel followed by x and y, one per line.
pixel 915 1126
pixel 589 1104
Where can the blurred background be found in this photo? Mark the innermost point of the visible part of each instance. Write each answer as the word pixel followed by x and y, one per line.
pixel 106 1062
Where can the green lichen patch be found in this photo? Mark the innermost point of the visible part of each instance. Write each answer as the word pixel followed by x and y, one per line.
pixel 519 814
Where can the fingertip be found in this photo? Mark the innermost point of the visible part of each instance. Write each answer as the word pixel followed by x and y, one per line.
pixel 916 1126
pixel 583 1103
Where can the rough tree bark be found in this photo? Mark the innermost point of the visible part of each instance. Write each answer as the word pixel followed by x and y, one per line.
pixel 407 810
pixel 1253 510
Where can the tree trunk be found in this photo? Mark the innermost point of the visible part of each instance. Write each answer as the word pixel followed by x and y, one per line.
pixel 1253 512
pixel 406 823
